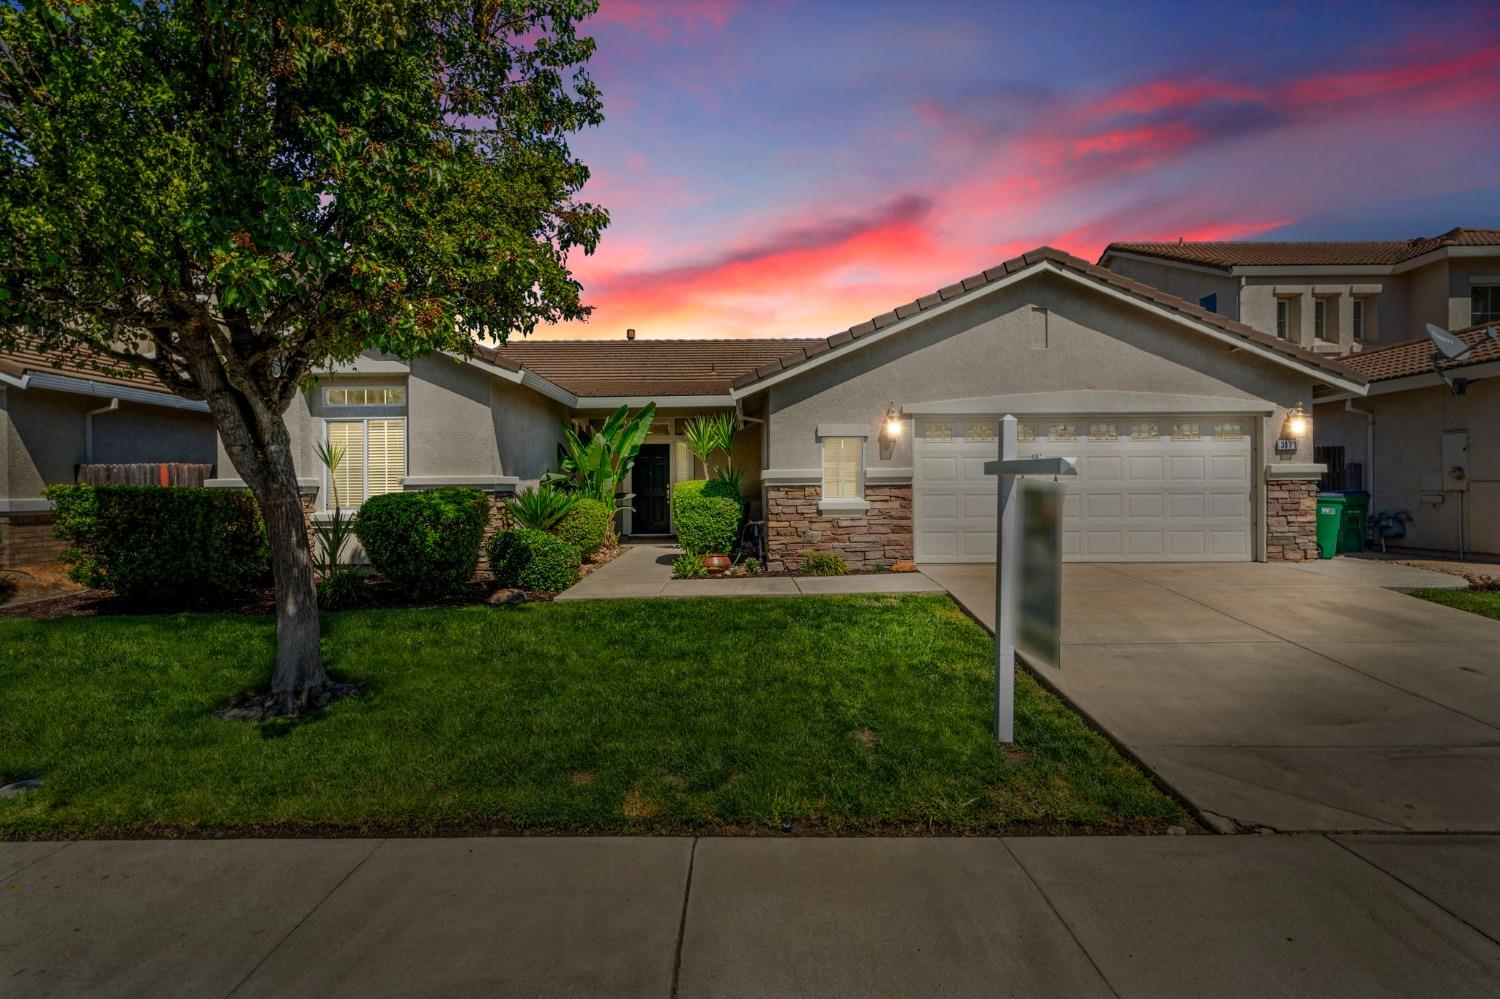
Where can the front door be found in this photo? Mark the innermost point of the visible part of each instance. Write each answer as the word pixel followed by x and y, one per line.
pixel 651 478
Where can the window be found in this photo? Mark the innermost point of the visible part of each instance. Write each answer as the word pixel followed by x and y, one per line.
pixel 1228 432
pixel 374 459
pixel 1145 431
pixel 1186 432
pixel 365 395
pixel 1357 315
pixel 1283 318
pixel 1210 302
pixel 980 431
pixel 1103 432
pixel 941 432
pixel 1484 304
pixel 843 467
pixel 1063 432
pixel 1320 319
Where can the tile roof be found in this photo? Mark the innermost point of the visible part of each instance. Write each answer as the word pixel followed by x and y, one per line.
pixel 1049 254
pixel 1414 357
pixel 78 363
pixel 1251 253
pixel 643 367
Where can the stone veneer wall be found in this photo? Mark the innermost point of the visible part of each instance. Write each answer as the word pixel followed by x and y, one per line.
pixel 1291 520
pixel 26 539
pixel 880 535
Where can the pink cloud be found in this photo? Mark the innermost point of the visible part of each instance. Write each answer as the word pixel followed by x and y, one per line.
pixel 664 20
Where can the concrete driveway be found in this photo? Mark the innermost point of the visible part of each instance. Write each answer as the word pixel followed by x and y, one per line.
pixel 1285 697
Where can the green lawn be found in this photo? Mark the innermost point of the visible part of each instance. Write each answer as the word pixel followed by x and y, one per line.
pixel 840 713
pixel 1486 602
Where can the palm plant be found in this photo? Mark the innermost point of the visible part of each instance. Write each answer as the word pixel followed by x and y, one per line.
pixel 597 466
pixel 334 532
pixel 709 434
pixel 540 509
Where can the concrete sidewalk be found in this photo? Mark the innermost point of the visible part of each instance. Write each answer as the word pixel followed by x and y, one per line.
pixel 646 571
pixel 1083 916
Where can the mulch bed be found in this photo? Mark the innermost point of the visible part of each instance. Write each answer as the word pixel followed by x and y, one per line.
pixel 376 594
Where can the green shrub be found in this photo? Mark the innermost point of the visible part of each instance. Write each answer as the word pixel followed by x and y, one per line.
pixel 706 513
pixel 533 560
pixel 174 545
pixel 585 526
pixel 824 564
pixel 342 589
pixel 689 567
pixel 426 543
pixel 752 566
pixel 540 509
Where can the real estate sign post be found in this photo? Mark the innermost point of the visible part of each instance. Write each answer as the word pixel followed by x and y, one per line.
pixel 1011 565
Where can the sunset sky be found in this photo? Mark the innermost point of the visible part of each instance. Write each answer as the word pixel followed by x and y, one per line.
pixel 790 168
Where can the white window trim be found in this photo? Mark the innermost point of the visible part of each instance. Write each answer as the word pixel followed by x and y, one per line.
pixel 1286 332
pixel 365 464
pixel 841 503
pixel 1478 281
pixel 1359 319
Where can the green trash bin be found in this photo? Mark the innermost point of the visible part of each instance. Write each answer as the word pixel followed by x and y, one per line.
pixel 1330 522
pixel 1352 524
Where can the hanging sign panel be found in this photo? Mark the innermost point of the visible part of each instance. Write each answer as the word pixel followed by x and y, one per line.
pixel 1039 597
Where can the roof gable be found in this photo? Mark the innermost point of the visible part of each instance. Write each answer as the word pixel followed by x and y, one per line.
pixel 1038 261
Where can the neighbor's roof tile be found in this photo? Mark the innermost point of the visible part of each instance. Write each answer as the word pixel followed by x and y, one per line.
pixel 1254 253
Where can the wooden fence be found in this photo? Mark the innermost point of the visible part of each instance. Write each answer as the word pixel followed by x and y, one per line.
pixel 146 474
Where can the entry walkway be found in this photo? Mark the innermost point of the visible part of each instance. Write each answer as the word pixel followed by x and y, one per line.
pixel 664 917
pixel 1308 697
pixel 646 571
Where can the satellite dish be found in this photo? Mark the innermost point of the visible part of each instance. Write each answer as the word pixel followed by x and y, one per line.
pixel 1447 344
pixel 1450 346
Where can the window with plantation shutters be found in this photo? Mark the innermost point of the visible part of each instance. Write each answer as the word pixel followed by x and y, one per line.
pixel 373 463
pixel 843 461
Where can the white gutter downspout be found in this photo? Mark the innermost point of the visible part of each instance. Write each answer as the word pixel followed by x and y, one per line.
pixel 88 428
pixel 1369 416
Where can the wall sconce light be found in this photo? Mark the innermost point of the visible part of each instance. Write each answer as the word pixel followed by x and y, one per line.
pixel 893 422
pixel 1297 421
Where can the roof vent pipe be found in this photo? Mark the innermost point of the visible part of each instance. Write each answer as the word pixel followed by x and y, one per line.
pixel 630 334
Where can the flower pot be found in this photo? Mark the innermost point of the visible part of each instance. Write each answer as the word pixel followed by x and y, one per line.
pixel 716 564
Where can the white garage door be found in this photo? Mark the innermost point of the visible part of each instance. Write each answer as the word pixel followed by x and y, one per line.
pixel 1149 489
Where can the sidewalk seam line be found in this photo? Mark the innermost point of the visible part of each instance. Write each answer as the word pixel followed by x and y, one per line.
pixel 1065 925
pixel 305 917
pixel 687 891
pixel 1408 886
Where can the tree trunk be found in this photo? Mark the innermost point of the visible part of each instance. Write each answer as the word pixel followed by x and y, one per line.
pixel 261 451
pixel 299 672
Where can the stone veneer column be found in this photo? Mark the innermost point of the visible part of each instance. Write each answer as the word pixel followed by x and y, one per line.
pixel 1291 520
pixel 795 527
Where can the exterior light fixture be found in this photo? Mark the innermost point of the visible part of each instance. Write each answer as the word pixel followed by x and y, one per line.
pixel 1297 421
pixel 893 422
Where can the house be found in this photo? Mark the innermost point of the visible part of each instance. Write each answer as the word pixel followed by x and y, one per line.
pixel 1329 297
pixel 1423 443
pixel 872 442
pixel 1371 302
pixel 60 415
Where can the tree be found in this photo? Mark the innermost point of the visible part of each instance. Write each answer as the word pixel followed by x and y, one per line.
pixel 234 196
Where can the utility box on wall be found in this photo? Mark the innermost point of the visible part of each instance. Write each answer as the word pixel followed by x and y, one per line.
pixel 1455 460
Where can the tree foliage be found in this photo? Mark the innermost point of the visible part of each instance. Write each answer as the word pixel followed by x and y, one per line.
pixel 234 196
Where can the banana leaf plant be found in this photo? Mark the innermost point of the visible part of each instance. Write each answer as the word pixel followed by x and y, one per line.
pixel 597 465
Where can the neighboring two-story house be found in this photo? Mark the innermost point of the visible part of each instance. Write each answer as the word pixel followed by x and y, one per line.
pixel 1418 442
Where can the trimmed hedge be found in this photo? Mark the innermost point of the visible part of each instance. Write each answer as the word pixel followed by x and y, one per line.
pixel 585 526
pixel 706 513
pixel 426 543
pixel 533 560
pixel 170 544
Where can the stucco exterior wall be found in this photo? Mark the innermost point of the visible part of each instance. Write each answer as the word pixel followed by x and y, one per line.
pixel 1408 440
pixel 46 437
pixel 1184 282
pixel 1005 344
pixel 527 428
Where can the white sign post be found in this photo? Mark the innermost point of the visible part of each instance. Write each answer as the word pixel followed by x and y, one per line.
pixel 1008 565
